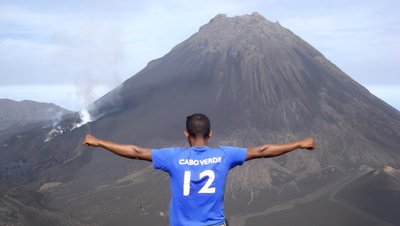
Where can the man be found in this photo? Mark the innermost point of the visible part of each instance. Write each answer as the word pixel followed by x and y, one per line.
pixel 198 174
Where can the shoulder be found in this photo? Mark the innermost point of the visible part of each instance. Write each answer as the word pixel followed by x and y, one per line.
pixel 163 158
pixel 234 155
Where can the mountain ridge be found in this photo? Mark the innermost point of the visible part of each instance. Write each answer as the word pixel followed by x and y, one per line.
pixel 18 116
pixel 28 110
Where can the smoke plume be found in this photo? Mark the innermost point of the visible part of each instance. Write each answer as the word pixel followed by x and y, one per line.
pixel 100 73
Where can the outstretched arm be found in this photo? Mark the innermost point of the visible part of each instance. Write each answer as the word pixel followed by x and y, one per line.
pixel 124 150
pixel 272 150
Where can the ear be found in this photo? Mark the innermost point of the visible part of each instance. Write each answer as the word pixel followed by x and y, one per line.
pixel 210 134
pixel 186 134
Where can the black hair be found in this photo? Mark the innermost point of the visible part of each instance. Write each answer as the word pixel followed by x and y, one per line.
pixel 198 125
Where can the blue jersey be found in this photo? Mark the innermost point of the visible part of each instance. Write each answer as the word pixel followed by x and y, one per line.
pixel 197 178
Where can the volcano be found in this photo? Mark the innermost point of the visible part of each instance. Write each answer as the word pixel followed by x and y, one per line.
pixel 258 83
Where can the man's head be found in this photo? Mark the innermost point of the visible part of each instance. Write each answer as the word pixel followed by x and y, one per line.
pixel 198 127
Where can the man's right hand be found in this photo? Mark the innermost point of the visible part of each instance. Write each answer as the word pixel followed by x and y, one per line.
pixel 91 141
pixel 308 143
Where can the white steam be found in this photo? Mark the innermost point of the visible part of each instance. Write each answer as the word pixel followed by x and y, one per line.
pixel 54 115
pixel 98 75
pixel 58 129
pixel 85 118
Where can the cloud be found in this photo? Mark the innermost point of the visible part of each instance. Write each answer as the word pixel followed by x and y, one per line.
pixel 362 39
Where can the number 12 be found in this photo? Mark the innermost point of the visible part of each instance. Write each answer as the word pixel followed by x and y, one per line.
pixel 206 188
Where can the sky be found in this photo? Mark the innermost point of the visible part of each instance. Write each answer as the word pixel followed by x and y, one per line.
pixel 73 52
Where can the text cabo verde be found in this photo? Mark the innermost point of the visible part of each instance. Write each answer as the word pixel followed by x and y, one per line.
pixel 202 162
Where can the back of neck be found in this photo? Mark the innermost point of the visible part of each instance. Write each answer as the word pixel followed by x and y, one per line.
pixel 198 142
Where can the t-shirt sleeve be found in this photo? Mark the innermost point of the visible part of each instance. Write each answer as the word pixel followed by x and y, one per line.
pixel 163 158
pixel 235 155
